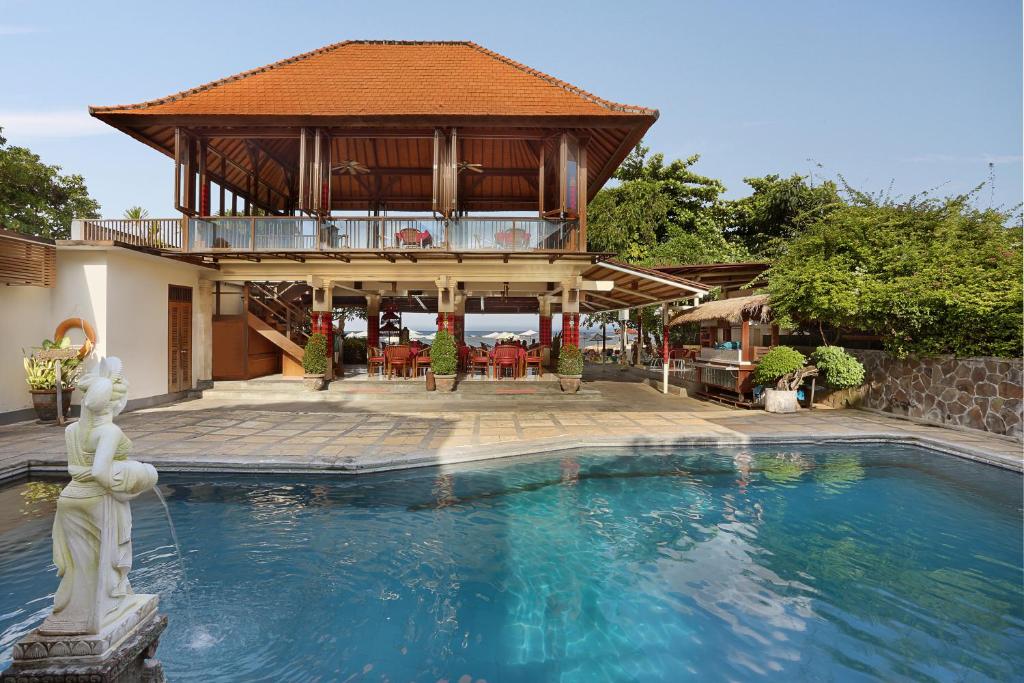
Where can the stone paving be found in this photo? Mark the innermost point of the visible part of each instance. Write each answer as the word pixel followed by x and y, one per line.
pixel 375 435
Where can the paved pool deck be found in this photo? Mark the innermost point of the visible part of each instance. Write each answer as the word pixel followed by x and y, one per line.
pixel 369 435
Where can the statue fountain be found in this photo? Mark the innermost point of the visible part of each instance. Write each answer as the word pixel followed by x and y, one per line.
pixel 100 630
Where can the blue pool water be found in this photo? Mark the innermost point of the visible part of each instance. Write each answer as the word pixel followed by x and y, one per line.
pixel 843 564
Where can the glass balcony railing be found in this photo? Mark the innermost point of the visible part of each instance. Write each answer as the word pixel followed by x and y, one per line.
pixel 290 233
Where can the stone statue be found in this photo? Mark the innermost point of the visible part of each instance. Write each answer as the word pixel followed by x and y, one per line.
pixel 92 532
pixel 97 619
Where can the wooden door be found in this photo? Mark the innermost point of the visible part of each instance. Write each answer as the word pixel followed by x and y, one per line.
pixel 179 339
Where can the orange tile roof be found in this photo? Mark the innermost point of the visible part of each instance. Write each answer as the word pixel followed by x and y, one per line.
pixel 387 78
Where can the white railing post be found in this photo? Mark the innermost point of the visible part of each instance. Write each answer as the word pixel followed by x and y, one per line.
pixel 78 229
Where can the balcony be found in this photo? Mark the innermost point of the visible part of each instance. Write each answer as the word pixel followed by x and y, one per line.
pixel 269 234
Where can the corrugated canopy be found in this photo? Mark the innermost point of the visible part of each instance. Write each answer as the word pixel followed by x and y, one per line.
pixel 635 286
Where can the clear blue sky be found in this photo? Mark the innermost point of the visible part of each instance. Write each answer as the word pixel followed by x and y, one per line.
pixel 911 93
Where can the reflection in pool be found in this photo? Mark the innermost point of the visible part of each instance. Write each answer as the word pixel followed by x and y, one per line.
pixel 853 563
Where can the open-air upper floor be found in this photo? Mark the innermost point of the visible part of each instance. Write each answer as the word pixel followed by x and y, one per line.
pixel 376 146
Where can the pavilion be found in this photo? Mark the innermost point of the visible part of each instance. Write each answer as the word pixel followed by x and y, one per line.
pixel 410 176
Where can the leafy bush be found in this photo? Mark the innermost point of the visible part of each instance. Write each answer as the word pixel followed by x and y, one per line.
pixel 354 351
pixel 570 360
pixel 777 363
pixel 314 362
pixel 840 369
pixel 444 354
pixel 41 375
pixel 928 276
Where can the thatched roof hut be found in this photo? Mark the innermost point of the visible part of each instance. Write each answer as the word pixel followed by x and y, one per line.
pixel 753 308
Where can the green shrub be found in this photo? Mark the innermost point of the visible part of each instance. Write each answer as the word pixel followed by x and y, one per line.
pixel 840 369
pixel 354 351
pixel 314 362
pixel 570 360
pixel 444 354
pixel 777 363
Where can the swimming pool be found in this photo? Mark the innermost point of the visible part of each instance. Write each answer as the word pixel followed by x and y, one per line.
pixel 844 563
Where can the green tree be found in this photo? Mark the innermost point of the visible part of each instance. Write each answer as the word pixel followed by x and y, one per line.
pixel 136 213
pixel 927 275
pixel 660 213
pixel 778 210
pixel 36 198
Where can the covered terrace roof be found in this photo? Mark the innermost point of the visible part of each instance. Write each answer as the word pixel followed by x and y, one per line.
pixel 381 101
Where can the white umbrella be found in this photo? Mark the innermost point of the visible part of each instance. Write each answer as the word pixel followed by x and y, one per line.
pixel 413 334
pixel 359 334
pixel 528 333
pixel 499 335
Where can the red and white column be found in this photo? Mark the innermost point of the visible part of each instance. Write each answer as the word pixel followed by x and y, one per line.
pixel 664 348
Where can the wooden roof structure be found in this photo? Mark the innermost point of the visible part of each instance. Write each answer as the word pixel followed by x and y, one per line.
pixel 380 103
pixel 729 276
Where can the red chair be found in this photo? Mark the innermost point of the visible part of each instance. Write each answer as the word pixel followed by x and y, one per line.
pixel 479 360
pixel 398 356
pixel 506 357
pixel 375 359
pixel 534 360
pixel 421 361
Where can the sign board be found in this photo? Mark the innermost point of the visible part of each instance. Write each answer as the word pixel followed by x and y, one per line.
pixel 58 354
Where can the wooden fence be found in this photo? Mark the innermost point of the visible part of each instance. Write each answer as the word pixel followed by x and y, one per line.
pixel 27 260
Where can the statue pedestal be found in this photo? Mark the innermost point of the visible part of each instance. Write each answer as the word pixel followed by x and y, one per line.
pixel 123 651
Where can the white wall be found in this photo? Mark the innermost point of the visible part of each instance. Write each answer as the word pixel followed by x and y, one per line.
pixel 123 294
pixel 137 316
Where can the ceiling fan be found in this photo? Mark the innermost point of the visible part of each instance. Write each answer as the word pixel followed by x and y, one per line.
pixel 469 166
pixel 350 168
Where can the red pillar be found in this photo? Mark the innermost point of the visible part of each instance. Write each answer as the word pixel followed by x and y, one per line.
pixel 664 343
pixel 545 330
pixel 571 329
pixel 373 330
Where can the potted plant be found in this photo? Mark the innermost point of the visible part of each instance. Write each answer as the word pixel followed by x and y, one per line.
pixel 314 362
pixel 839 369
pixel 570 368
pixel 41 377
pixel 444 361
pixel 787 368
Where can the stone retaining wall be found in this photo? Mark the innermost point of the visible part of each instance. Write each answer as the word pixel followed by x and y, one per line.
pixel 977 393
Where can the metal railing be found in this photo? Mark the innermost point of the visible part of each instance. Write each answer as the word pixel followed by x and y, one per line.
pixel 374 233
pixel 158 233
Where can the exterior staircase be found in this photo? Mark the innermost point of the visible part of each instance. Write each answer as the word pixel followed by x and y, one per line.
pixel 277 312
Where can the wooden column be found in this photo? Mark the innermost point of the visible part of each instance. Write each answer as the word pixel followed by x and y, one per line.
pixel 204 179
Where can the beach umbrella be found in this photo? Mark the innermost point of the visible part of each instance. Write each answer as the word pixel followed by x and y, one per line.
pixel 360 334
pixel 528 333
pixel 499 335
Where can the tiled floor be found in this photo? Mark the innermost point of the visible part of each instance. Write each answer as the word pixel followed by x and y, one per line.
pixel 372 435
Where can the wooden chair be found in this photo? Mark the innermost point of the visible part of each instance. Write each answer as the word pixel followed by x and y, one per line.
pixel 375 358
pixel 421 361
pixel 398 357
pixel 479 359
pixel 506 357
pixel 534 360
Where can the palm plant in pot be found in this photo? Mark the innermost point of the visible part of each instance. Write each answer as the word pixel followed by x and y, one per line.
pixel 314 361
pixel 444 361
pixel 786 368
pixel 570 368
pixel 41 377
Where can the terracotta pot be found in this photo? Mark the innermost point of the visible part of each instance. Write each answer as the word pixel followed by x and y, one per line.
pixel 570 383
pixel 44 401
pixel 780 401
pixel 445 382
pixel 313 382
pixel 430 382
